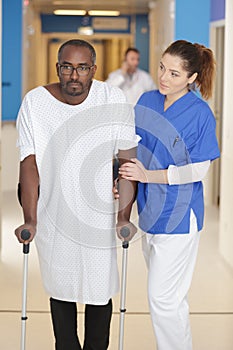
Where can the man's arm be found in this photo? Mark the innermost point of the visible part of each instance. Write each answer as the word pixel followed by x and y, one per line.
pixel 29 184
pixel 127 194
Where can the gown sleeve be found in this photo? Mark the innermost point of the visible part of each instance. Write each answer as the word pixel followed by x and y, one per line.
pixel 25 141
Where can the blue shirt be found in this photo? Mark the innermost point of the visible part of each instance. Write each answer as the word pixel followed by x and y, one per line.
pixel 183 134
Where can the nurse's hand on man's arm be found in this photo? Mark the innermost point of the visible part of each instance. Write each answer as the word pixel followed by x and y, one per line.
pixel 134 171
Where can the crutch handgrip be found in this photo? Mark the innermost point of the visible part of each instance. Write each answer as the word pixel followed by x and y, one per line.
pixel 125 232
pixel 25 235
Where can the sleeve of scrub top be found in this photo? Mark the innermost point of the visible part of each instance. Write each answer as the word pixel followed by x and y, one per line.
pixel 205 145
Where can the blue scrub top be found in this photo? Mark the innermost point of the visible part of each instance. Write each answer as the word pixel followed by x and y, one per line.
pixel 183 134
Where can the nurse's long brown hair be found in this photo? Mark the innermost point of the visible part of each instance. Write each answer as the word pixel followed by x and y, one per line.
pixel 196 59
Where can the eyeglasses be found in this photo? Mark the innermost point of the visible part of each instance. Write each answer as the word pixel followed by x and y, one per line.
pixel 80 70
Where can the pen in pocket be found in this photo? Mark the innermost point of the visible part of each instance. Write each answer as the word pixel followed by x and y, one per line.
pixel 176 140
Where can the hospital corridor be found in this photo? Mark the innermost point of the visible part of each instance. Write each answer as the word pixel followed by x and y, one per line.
pixel 31 36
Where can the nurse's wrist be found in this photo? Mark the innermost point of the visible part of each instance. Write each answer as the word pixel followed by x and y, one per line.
pixel 157 176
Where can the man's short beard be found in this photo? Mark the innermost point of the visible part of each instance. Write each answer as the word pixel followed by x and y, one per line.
pixel 73 92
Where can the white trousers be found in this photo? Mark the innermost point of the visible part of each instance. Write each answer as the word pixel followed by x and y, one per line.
pixel 171 260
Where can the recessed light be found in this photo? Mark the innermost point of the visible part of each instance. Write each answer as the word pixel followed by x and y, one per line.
pixel 103 13
pixel 70 12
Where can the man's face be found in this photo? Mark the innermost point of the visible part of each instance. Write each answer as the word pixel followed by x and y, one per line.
pixel 132 58
pixel 72 82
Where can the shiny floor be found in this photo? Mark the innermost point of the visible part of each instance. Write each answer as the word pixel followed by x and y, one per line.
pixel 211 294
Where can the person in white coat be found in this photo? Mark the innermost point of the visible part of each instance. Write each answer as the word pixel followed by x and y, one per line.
pixel 132 80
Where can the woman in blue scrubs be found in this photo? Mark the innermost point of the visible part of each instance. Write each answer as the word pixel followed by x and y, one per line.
pixel 178 143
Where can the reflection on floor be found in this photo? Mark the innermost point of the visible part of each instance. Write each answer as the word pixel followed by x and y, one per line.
pixel 211 294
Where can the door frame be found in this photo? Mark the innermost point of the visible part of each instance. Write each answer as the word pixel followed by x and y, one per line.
pixel 217 33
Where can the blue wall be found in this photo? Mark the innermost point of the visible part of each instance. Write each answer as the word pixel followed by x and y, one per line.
pixel 70 24
pixel 217 10
pixel 192 20
pixel 11 58
pixel 142 40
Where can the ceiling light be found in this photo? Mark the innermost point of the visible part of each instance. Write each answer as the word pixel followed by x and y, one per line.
pixel 103 13
pixel 70 12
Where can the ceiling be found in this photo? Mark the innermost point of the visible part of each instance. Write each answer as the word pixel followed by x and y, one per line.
pixel 124 6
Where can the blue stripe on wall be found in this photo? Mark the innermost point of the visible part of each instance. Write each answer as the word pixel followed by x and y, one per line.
pixel 11 58
pixel 70 24
pixel 192 21
pixel 142 40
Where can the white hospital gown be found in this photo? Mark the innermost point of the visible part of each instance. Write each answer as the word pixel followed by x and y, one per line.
pixel 74 146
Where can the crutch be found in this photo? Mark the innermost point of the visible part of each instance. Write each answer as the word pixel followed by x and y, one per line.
pixel 125 232
pixel 25 235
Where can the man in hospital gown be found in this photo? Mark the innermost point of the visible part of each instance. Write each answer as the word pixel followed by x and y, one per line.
pixel 69 132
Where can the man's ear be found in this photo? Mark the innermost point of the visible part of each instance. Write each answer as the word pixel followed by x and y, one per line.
pixel 94 70
pixel 57 69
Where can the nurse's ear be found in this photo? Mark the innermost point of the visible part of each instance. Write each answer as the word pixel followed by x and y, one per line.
pixel 192 78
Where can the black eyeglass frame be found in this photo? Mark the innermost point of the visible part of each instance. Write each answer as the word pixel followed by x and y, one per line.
pixel 79 69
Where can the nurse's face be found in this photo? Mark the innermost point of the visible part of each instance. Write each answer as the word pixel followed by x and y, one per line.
pixel 173 79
